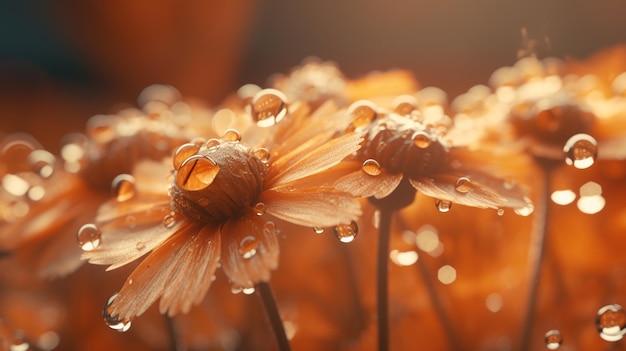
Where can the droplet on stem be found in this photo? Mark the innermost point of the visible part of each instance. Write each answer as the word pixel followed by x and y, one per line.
pixel 268 107
pixel 124 187
pixel 581 151
pixel 196 173
pixel 89 236
pixel 113 321
pixel 346 233
pixel 371 167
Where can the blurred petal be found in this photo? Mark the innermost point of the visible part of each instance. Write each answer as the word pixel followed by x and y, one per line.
pixel 179 270
pixel 321 206
pixel 130 236
pixel 249 250
pixel 481 191
pixel 361 184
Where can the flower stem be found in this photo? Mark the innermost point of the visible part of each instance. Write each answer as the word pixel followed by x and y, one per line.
pixel 267 298
pixel 173 334
pixel 536 252
pixel 384 230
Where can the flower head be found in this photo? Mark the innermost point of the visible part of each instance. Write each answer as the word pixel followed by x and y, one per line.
pixel 213 212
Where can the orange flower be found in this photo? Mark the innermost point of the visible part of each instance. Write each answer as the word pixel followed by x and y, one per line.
pixel 213 212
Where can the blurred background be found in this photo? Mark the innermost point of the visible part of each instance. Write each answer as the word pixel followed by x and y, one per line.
pixel 62 62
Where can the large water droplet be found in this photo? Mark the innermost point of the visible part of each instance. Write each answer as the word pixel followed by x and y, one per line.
pixel 212 144
pixel 371 167
pixel 581 151
pixel 124 187
pixel 248 247
pixel 232 136
pixel 184 152
pixel 269 106
pixel 259 209
pixel 611 322
pixel 443 205
pixel 421 140
pixel 42 162
pixel 463 185
pixel 89 236
pixel 526 210
pixel 363 112
pixel 113 321
pixel 553 339
pixel 346 232
pixel 196 173
pixel 262 154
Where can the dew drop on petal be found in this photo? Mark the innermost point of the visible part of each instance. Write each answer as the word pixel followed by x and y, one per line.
pixel 42 163
pixel 611 322
pixel 212 144
pixel 404 104
pixel 269 228
pixel 553 339
pixel 235 289
pixel 363 112
pixel 249 291
pixel 232 136
pixel 463 185
pixel 184 152
pixel 140 246
pixel 500 212
pixel 259 209
pixel 169 220
pixel 371 167
pixel 124 187
pixel 268 107
pixel 421 140
pixel 248 247
pixel 346 233
pixel 262 154
pixel 196 173
pixel 318 230
pixel 89 236
pixel 526 210
pixel 113 321
pixel 581 151
pixel 443 205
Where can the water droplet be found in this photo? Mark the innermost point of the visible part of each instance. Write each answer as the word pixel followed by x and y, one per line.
pixel 124 187
pixel 581 151
pixel 346 233
pixel 249 291
pixel 404 104
pixel 443 205
pixel 212 144
pixel 235 289
pixel 421 140
pixel 269 106
pixel 526 210
pixel 140 246
pixel 248 246
pixel 363 113
pixel 500 212
pixel 463 185
pixel 184 152
pixel 259 209
pixel 89 236
pixel 611 322
pixel 42 163
pixel 131 222
pixel 113 321
pixel 563 197
pixel 196 173
pixel 262 154
pixel 19 344
pixel 169 220
pixel 232 136
pixel 371 167
pixel 553 339
pixel 318 230
pixel 269 228
pixel 509 183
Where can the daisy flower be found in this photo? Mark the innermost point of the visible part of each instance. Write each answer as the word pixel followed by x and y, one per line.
pixel 211 211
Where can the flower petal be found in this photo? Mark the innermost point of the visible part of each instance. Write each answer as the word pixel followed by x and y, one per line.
pixel 321 206
pixel 361 184
pixel 249 250
pixel 128 237
pixel 482 191
pixel 180 271
pixel 307 162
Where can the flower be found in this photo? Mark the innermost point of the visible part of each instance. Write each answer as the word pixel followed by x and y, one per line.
pixel 212 212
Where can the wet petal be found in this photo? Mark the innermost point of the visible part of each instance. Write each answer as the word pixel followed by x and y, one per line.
pixel 308 162
pixel 360 184
pixel 321 206
pixel 128 237
pixel 179 271
pixel 482 191
pixel 246 270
